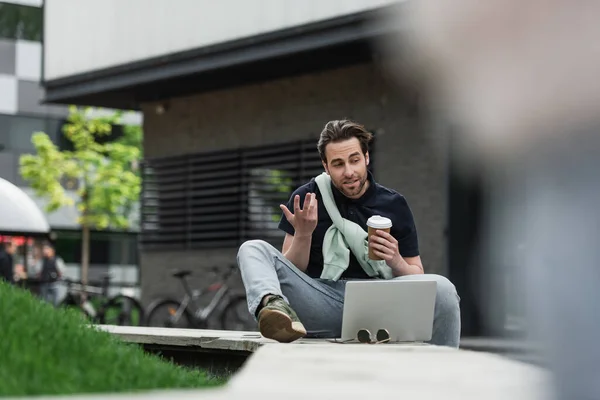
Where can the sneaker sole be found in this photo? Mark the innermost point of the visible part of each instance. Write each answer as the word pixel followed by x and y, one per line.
pixel 279 326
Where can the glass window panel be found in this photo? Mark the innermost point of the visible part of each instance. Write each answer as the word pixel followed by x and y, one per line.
pixel 31 23
pixel 54 129
pixel 21 130
pixel 9 20
pixel 20 22
pixel 68 246
pixel 105 247
pixel 16 131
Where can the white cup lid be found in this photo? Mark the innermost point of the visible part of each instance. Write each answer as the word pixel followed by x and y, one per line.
pixel 379 222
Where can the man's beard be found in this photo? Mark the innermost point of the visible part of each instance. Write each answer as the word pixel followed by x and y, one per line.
pixel 350 193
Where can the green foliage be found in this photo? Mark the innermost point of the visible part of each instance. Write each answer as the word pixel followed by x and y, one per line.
pixel 109 180
pixel 281 185
pixel 52 351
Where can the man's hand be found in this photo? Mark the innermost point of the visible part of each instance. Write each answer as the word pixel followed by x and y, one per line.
pixel 303 220
pixel 385 246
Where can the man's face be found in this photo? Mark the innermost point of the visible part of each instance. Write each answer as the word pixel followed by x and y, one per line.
pixel 48 252
pixel 347 167
pixel 11 247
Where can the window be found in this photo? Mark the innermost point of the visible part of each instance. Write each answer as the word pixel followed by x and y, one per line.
pixel 20 22
pixel 16 131
pixel 221 199
pixel 15 140
pixel 106 248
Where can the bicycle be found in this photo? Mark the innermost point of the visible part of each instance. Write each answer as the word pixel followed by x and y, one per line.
pixel 188 313
pixel 121 309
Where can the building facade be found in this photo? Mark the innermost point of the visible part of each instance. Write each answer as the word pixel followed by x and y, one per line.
pixel 23 112
pixel 233 107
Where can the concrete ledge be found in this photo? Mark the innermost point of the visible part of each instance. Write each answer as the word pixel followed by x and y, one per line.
pixel 385 371
pixel 326 370
pixel 209 340
pixel 188 339
pixel 249 342
pixel 496 345
pixel 517 349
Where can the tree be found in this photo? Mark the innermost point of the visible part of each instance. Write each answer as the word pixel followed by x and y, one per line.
pixel 105 171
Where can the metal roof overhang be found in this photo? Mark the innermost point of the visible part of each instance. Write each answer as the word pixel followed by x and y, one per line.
pixel 309 48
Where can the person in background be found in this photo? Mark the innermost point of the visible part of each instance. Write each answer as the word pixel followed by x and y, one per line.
pixel 7 250
pixel 19 273
pixel 35 267
pixel 52 269
pixel 37 258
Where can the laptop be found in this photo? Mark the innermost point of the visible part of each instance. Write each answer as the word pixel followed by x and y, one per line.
pixel 404 308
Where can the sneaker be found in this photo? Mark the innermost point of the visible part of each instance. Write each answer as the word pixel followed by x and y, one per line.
pixel 277 321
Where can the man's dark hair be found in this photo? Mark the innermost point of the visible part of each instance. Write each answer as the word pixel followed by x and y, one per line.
pixel 339 130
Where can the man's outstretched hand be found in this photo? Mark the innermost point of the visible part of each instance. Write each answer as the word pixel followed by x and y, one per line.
pixel 303 220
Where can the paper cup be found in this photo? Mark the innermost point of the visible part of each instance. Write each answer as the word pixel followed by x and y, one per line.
pixel 375 223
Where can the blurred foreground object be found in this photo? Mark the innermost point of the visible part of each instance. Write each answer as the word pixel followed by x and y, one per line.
pixel 520 80
pixel 513 72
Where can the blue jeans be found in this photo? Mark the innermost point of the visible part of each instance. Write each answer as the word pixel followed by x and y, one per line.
pixel 319 303
pixel 49 292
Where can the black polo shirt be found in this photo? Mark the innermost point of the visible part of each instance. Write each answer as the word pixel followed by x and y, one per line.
pixel 377 200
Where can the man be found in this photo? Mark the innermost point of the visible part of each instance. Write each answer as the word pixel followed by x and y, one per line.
pixel 51 270
pixel 6 260
pixel 291 293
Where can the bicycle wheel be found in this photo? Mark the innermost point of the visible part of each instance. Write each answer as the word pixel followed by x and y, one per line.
pixel 73 305
pixel 122 310
pixel 236 317
pixel 165 314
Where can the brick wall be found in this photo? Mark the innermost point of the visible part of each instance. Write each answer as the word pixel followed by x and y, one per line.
pixel 295 108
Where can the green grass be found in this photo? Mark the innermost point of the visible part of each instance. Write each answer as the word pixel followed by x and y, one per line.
pixel 112 313
pixel 51 351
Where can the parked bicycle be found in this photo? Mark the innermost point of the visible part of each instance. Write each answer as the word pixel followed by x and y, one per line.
pixel 228 307
pixel 98 307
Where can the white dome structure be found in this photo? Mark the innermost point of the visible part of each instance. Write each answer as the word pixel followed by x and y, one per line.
pixel 19 213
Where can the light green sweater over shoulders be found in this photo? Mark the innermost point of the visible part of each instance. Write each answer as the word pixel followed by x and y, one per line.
pixel 342 237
